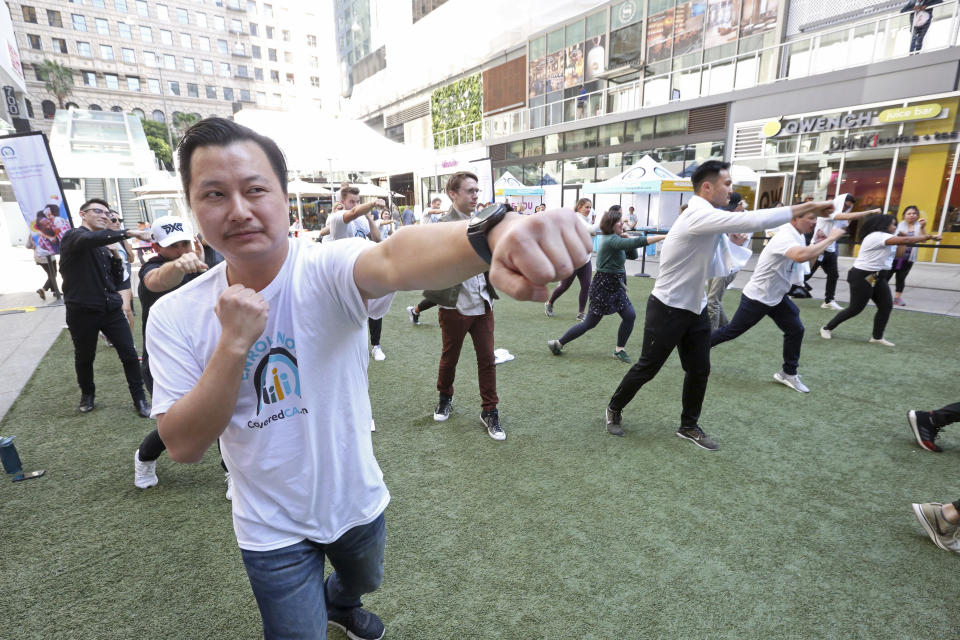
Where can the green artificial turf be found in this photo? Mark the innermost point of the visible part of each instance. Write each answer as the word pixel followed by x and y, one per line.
pixel 799 527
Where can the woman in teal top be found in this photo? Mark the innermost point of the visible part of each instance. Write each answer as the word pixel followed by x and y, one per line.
pixel 608 290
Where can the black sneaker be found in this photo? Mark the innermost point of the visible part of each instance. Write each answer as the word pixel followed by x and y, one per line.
pixel 614 418
pixel 491 420
pixel 86 403
pixel 357 623
pixel 442 412
pixel 923 430
pixel 696 435
pixel 142 407
pixel 414 315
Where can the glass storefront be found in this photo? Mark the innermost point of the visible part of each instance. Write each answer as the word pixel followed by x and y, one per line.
pixel 890 157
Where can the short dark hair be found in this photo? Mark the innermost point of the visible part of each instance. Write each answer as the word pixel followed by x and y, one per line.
pixel 85 205
pixel 849 198
pixel 354 191
pixel 610 217
pixel 911 206
pixel 453 183
pixel 708 171
pixel 735 200
pixel 221 132
pixel 879 222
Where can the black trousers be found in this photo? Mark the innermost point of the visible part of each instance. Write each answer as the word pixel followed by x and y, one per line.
pixel 862 292
pixel 50 270
pixel 829 264
pixel 376 326
pixel 901 268
pixel 665 329
pixel 946 415
pixel 85 325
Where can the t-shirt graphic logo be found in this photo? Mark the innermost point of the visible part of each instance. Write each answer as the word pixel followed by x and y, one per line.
pixel 276 378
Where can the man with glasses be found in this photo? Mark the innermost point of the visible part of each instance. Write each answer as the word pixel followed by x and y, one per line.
pixel 91 278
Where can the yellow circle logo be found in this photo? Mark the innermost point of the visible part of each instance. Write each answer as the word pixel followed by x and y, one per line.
pixel 771 128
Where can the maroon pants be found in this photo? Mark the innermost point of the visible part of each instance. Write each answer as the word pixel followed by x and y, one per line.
pixel 454 327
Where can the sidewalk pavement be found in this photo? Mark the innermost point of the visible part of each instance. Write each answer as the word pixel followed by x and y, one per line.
pixel 29 325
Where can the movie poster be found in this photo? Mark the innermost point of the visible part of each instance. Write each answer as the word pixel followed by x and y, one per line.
pixel 538 77
pixel 723 22
pixel 758 16
pixel 554 72
pixel 688 27
pixel 660 36
pixel 595 58
pixel 573 72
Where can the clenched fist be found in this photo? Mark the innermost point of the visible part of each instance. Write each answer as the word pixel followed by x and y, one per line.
pixel 190 263
pixel 243 316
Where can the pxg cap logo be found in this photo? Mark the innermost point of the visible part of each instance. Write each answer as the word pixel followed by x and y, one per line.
pixel 170 228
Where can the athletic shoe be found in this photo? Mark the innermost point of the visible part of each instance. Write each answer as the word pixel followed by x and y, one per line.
pixel 86 403
pixel 40 292
pixel 548 309
pixel 378 354
pixel 491 420
pixel 580 317
pixel 442 412
pixel 791 381
pixel 885 343
pixel 555 347
pixel 413 315
pixel 142 407
pixel 826 334
pixel 924 430
pixel 944 534
pixel 807 286
pixel 899 302
pixel 144 473
pixel 373 425
pixel 696 435
pixel 229 480
pixel 831 305
pixel 357 623
pixel 614 419
pixel 622 356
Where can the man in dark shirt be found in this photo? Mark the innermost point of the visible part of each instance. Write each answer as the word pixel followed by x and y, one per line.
pixel 90 280
pixel 178 261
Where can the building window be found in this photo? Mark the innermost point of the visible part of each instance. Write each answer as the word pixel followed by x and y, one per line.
pixel 106 52
pixel 89 78
pixel 157 115
pixel 222 47
pixel 311 40
pixel 94 107
pixel 244 95
pixel 153 85
pixel 314 81
pixel 228 94
pixel 189 65
pixel 255 51
pixel 79 23
pixel 124 30
pixel 29 14
pixel 103 27
pixel 186 41
pixel 193 91
pixel 202 20
pixel 139 113
pixel 54 19
pixel 261 98
pixel 116 108
pixel 48 108
pixel 169 61
pixel 121 5
pixel 253 29
pixel 251 6
pixel 423 7
pixel 59 45
pixel 174 87
pixel 257 73
pixel 242 71
pixel 166 37
pixel 275 75
pixel 236 26
pixel 272 55
pixel 286 35
pixel 83 49
pixel 133 83
pixel 163 13
pixel 34 41
pixel 268 10
pixel 128 55
pixel 269 32
pixel 224 69
pixel 29 108
pixel 207 67
pixel 111 80
pixel 143 11
pixel 182 16
pixel 315 62
pixel 97 3
pixel 146 34
pixel 211 93
pixel 219 24
pixel 288 57
pixel 204 43
pixel 150 59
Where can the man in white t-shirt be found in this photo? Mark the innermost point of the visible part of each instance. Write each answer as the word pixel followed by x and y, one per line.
pixel 779 267
pixel 828 259
pixel 267 352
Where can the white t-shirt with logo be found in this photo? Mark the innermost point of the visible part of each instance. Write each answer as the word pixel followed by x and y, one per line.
pixel 775 273
pixel 356 228
pixel 298 445
pixel 874 254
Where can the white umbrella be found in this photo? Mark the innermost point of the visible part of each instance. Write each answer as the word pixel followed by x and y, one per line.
pixel 303 188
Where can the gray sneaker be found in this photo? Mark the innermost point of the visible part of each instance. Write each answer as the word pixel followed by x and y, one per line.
pixel 548 309
pixel 614 419
pixel 555 347
pixel 791 381
pixel 944 534
pixel 696 435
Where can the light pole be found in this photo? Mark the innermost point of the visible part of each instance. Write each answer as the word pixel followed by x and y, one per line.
pixel 163 98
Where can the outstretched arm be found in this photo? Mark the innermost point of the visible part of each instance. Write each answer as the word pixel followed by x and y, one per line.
pixel 802 254
pixel 720 221
pixel 856 215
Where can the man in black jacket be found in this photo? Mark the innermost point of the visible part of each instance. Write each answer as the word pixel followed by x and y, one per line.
pixel 90 278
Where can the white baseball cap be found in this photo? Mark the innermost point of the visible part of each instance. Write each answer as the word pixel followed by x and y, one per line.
pixel 168 230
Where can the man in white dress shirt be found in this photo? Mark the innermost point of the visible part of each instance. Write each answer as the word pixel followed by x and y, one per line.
pixel 676 310
pixel 780 265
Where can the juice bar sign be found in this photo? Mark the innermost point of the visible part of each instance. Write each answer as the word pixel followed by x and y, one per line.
pixel 852 120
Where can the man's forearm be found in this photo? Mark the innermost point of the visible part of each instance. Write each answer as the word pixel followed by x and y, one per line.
pixel 812 251
pixel 164 278
pixel 359 210
pixel 82 241
pixel 196 420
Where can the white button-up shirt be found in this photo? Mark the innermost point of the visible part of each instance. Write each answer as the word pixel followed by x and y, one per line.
pixel 690 249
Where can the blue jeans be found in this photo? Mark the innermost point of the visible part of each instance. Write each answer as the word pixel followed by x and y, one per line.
pixel 289 587
pixel 785 314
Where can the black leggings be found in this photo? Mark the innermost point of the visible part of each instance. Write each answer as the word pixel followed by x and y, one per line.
pixel 861 292
pixel 376 325
pixel 50 270
pixel 424 304
pixel 627 317
pixel 583 274
pixel 900 271
pixel 152 446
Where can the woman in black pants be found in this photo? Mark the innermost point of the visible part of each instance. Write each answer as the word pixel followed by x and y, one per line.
pixel 868 275
pixel 583 274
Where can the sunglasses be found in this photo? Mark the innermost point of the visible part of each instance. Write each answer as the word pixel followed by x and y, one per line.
pixel 99 212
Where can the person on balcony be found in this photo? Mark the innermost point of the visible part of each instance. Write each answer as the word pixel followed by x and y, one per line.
pixel 921 15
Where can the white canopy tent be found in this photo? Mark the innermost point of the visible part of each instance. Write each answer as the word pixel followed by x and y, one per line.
pixel 508 186
pixel 655 192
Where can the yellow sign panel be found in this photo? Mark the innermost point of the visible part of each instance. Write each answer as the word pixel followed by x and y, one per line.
pixel 676 185
pixel 916 112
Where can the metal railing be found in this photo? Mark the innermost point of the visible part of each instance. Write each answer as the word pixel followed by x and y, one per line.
pixel 861 43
